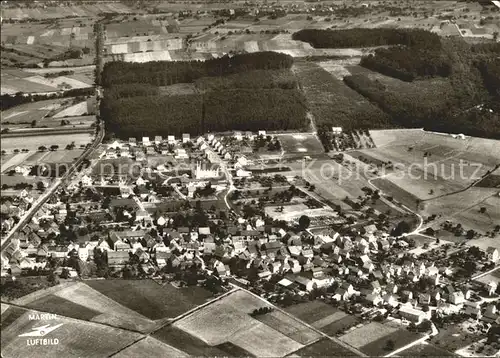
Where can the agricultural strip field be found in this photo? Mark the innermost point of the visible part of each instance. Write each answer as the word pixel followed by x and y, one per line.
pixel 311 312
pixel 78 109
pixel 62 307
pixel 15 160
pixel 289 326
pixel 425 350
pixel 332 103
pixel 229 320
pixel 40 13
pixel 33 142
pixel 150 299
pixel 150 347
pixel 323 348
pixel 340 325
pixel 63 298
pixel 26 113
pixel 185 342
pixel 401 337
pixel 76 338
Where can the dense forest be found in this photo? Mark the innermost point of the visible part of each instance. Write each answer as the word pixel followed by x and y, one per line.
pixel 245 92
pixel 368 38
pixel 283 79
pixel 490 70
pixel 436 108
pixel 408 64
pixel 164 73
pixel 152 115
pixel 243 109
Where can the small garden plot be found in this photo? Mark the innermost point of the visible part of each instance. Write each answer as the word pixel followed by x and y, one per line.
pixel 62 307
pixel 325 347
pixel 367 334
pixel 148 298
pixel 382 346
pixel 289 326
pixel 311 312
pixel 150 347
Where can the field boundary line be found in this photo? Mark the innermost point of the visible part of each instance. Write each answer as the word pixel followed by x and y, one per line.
pixel 74 319
pixel 334 339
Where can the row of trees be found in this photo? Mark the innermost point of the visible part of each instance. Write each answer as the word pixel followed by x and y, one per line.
pixel 408 64
pixel 162 73
pixel 360 37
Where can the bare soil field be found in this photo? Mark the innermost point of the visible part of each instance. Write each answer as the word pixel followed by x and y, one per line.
pixel 76 338
pixel 150 299
pixel 367 334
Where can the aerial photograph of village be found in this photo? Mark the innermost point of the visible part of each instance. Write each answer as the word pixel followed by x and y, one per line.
pixel 250 178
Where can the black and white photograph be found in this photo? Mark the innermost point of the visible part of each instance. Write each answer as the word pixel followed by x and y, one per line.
pixel 250 178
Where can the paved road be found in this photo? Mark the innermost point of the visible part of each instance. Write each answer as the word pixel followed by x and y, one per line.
pixel 44 198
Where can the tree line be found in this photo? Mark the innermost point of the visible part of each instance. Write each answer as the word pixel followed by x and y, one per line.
pixel 408 64
pixel 361 37
pixel 164 73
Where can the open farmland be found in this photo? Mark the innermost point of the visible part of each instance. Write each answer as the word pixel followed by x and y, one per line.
pixel 76 338
pixel 78 109
pixel 54 11
pixel 28 44
pixel 424 350
pixel 150 299
pixel 33 142
pixel 28 112
pixel 150 347
pixel 323 348
pixel 80 301
pixel 229 320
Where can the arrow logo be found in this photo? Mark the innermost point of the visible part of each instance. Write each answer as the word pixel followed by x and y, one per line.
pixel 41 331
